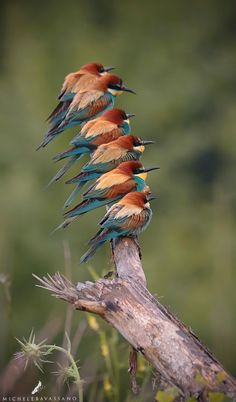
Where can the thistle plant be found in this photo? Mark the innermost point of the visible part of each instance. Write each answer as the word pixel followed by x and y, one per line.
pixel 32 352
pixel 37 353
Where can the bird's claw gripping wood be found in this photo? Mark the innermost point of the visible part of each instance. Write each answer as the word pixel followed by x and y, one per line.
pixel 109 275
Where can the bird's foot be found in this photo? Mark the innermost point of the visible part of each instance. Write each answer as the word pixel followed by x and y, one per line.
pixel 109 275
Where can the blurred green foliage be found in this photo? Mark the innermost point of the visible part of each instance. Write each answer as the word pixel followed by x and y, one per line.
pixel 180 57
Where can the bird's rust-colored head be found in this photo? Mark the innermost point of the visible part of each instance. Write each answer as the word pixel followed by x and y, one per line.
pixel 136 198
pixel 136 168
pixel 132 142
pixel 116 116
pixel 128 142
pixel 131 167
pixel 113 84
pixel 95 68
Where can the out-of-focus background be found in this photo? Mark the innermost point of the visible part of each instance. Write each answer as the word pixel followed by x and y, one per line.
pixel 180 57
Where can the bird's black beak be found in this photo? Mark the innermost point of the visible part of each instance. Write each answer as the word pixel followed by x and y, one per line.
pixel 144 142
pixel 149 169
pixel 125 89
pixel 128 115
pixel 106 69
pixel 152 197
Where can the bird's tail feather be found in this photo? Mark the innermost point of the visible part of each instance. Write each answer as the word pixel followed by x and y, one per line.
pixel 73 194
pixel 71 152
pixel 55 112
pixel 102 235
pixel 75 151
pixel 79 140
pixel 45 142
pixel 63 170
pixel 84 176
pixel 50 134
pixel 86 206
pixel 90 253
pixel 59 112
pixel 64 224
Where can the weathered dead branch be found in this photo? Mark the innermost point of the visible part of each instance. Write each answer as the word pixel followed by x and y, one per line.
pixel 150 328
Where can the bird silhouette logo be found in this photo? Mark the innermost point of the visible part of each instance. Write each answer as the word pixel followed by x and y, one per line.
pixel 38 388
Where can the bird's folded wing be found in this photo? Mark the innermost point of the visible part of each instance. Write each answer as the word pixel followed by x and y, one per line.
pixel 84 99
pixel 99 128
pixel 110 213
pixel 84 176
pixel 85 81
pixel 128 211
pixel 70 85
pixel 135 221
pixel 105 181
pixel 111 191
pixel 118 214
pixel 106 153
pixel 109 179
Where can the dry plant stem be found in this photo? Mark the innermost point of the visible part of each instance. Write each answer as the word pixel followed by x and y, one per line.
pixel 69 314
pixel 170 347
pixel 133 364
pixel 74 366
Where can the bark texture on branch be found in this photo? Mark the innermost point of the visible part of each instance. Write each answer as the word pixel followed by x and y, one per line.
pixel 170 347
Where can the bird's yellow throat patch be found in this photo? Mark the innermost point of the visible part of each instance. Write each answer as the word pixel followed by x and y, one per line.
pixel 115 92
pixel 140 148
pixel 142 175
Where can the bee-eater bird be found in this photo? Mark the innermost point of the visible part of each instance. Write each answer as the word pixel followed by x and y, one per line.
pixel 128 217
pixel 107 157
pixel 110 188
pixel 89 103
pixel 106 128
pixel 73 83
